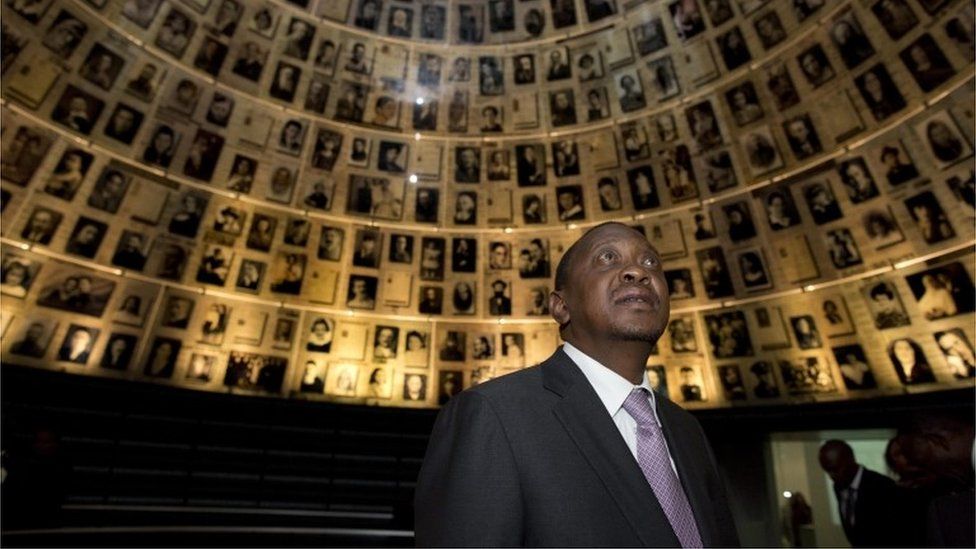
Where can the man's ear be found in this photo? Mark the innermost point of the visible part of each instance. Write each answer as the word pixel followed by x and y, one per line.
pixel 558 308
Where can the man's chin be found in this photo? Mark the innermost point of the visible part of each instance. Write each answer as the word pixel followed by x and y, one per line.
pixel 636 333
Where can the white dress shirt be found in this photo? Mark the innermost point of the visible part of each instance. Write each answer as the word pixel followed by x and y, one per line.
pixel 613 390
pixel 849 497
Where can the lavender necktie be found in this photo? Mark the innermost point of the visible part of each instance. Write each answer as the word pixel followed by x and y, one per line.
pixel 654 461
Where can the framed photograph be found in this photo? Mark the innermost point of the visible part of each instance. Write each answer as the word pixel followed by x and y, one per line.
pixel 215 265
pixel 688 19
pixel 732 384
pixel 691 388
pixel 781 87
pixel 119 351
pixel 34 337
pixel 854 368
pixel 264 21
pixel 630 91
pixel 911 364
pixel 881 227
pixel 842 248
pixel 141 12
pixel 255 372
pixel 728 334
pixel 65 33
pixel 717 170
pixel 930 219
pixel 168 259
pixel 715 273
pixel 433 21
pixel 850 39
pixel 958 352
pixel 375 197
pixel 76 292
pixel 743 101
pixel 203 156
pixel 24 154
pixel 250 276
pixel 175 33
pixel 18 274
pixel 123 124
pixel 682 335
pixel 752 268
pixel 761 151
pixel 281 185
pixel 86 237
pixel 944 141
pixel 806 375
pixel 77 110
pixel 359 152
pixel 362 292
pixel 880 92
pixel 471 23
pixel 733 48
pixel 805 331
pixel 927 63
pixel 177 312
pixel 836 316
pixel 943 292
pixel 885 305
pixel 102 67
pixel 287 273
pixel 769 29
pixel 764 385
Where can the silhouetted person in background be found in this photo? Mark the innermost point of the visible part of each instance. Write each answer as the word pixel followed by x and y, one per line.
pixel 870 504
pixel 37 474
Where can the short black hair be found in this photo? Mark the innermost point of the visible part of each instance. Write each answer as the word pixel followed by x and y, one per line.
pixel 881 289
pixel 562 269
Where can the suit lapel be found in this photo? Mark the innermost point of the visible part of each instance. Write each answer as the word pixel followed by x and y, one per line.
pixel 595 434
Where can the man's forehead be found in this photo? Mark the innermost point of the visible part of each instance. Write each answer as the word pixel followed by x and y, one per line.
pixel 611 233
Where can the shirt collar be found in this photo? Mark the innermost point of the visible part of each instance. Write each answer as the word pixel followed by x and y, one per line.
pixel 856 483
pixel 612 389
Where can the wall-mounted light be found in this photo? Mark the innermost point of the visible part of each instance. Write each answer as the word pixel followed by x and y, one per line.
pixel 413 178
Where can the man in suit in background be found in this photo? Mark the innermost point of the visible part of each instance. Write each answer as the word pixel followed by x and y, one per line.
pixel 577 451
pixel 869 502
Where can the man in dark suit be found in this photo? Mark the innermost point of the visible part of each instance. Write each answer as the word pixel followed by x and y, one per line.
pixel 577 451
pixel 869 502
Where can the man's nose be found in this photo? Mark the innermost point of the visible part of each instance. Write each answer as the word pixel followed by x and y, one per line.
pixel 635 273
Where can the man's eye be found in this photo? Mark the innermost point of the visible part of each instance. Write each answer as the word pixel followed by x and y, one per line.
pixel 651 262
pixel 607 255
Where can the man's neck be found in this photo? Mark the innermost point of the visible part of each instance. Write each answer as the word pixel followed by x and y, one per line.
pixel 626 358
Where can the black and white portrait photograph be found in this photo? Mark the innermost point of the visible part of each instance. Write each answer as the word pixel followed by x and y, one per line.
pixel 530 162
pixel 250 276
pixel 732 384
pixel 805 331
pixel 141 12
pixel 806 375
pixel 297 231
pixel 781 211
pixel 188 215
pixel 466 208
pixel 320 335
pixel 78 343
pixel 562 107
pixel 491 75
pixel 86 237
pixel 765 385
pixel 780 85
pixel 533 259
pixel 291 136
pixel 119 351
pixel 65 33
pixel 958 352
pixel 930 219
pixel 898 165
pixel 643 189
pixel 896 16
pixel 25 153
pixel 351 105
pixel 769 29
pixel 943 292
pixel 630 91
pixel 210 56
pixel 330 243
pixel 464 254
pixel 885 305
pixel 298 39
pixel 433 21
pixel 471 23
pixel 34 337
pixel 77 110
pixel 565 158
pixel 362 292
pixel 851 41
pixel 426 204
pixel 284 85
pixel 687 18
pixel 220 109
pixel 704 227
pixel 649 37
pixel 250 60
pixel 41 225
pixel 943 139
pixel 464 298
pixel 368 248
pixel 743 101
pixel 761 150
pixel 431 300
pixel 880 92
pixel 821 201
pixel 854 367
pixel 367 15
pixel 287 273
pixel 569 201
pixel 715 272
pixel 18 274
pixel 802 136
pixel 609 192
pixel 927 63
pixel 203 155
pixel 215 265
pixel 733 48
pixel 175 33
pixel 102 67
pixel 682 335
pixel 881 227
pixel 911 364
pixel 691 387
pixel 752 268
pixel 176 312
pixel 842 248
pixel 738 220
pixel 524 69
pixel 558 64
pixel 467 164
pixel 453 347
pixel 162 356
pixel 328 146
pixel 815 66
pixel 264 21
pixel 78 293
pixel 385 343
pixel 255 372
pixel 664 80
pixel 124 123
pixel 499 256
pixel 499 165
pixel 161 146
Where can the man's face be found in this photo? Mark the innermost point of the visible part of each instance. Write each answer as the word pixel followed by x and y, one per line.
pixel 42 221
pixel 615 290
pixel 122 121
pixel 35 332
pixel 566 201
pixel 467 158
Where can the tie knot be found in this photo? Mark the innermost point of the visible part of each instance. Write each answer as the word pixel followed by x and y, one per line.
pixel 639 407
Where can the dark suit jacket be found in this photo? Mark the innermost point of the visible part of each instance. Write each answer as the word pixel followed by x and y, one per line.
pixel 533 458
pixel 879 513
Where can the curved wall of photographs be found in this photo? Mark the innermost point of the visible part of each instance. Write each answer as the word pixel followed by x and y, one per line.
pixel 364 200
